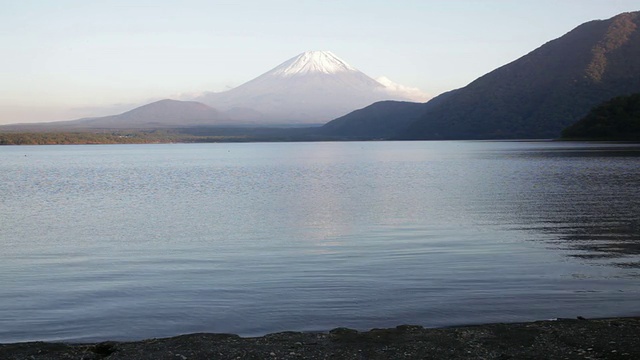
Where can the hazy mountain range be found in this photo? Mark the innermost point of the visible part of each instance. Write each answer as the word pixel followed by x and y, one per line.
pixel 535 96
pixel 311 88
pixel 159 114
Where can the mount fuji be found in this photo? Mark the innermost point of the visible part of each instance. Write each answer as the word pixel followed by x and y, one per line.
pixel 313 87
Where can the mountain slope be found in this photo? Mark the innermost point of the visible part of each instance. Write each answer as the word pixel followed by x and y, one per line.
pixel 373 120
pixel 380 120
pixel 539 94
pixel 313 87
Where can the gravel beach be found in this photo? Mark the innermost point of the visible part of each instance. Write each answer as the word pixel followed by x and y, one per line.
pixel 615 338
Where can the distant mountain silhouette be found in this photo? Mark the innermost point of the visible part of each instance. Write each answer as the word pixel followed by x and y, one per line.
pixel 160 114
pixel 615 119
pixel 535 96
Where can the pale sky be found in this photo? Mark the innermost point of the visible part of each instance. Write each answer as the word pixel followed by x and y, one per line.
pixel 67 59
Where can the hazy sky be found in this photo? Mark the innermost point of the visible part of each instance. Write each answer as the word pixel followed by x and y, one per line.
pixel 65 59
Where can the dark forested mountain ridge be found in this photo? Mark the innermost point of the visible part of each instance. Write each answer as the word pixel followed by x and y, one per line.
pixel 544 91
pixel 616 119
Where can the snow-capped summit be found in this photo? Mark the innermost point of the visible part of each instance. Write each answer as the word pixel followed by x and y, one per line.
pixel 312 87
pixel 313 61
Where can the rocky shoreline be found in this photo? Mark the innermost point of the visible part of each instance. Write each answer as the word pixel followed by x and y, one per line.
pixel 615 338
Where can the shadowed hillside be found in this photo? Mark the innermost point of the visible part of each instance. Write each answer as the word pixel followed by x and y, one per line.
pixel 541 93
pixel 381 120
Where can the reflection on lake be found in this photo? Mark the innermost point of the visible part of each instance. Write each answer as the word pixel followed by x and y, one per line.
pixel 129 242
pixel 592 208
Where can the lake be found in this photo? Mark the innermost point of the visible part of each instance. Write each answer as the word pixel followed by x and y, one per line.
pixel 125 242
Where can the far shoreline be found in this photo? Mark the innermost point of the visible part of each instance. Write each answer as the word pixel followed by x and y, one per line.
pixel 26 139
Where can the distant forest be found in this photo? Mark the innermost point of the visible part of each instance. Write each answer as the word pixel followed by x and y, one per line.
pixel 119 137
pixel 615 119
pixel 161 136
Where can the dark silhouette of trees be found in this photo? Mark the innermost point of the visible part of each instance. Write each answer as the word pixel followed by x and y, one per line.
pixel 615 119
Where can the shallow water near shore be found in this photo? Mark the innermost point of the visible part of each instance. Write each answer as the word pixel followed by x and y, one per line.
pixel 125 242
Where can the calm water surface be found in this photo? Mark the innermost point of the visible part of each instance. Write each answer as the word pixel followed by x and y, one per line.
pixel 135 241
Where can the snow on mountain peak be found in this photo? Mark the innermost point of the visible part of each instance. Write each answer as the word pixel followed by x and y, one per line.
pixel 310 88
pixel 313 62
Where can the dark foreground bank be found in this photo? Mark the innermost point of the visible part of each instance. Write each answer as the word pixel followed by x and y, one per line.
pixel 617 338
